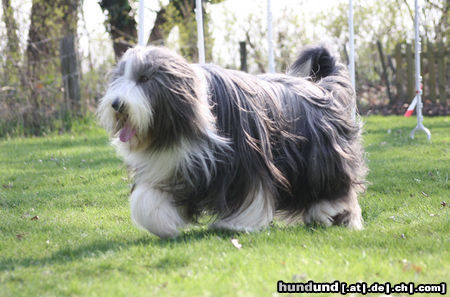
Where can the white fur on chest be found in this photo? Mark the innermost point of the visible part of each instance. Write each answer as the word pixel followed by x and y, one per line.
pixel 157 167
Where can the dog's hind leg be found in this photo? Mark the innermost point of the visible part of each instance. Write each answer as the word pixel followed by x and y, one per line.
pixel 256 213
pixel 343 211
pixel 154 210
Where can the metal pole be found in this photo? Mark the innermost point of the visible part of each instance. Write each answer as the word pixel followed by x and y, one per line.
pixel 200 37
pixel 269 37
pixel 418 98
pixel 351 61
pixel 141 41
pixel 352 43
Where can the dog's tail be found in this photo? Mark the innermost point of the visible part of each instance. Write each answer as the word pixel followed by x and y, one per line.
pixel 323 68
pixel 315 62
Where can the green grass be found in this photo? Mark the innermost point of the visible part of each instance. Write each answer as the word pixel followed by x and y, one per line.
pixel 84 244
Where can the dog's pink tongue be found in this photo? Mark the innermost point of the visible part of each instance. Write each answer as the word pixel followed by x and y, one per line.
pixel 127 132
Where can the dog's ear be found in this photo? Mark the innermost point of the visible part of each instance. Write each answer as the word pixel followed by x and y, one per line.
pixel 174 91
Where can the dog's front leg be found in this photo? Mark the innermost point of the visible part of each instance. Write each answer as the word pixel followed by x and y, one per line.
pixel 154 210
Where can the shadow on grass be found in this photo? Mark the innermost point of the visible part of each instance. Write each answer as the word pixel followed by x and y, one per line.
pixel 170 261
pixel 98 247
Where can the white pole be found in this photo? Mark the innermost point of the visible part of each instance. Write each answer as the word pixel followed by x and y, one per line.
pixel 269 37
pixel 141 40
pixel 420 126
pixel 352 44
pixel 351 61
pixel 200 37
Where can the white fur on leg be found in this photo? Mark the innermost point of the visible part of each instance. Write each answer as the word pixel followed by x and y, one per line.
pixel 256 214
pixel 154 210
pixel 345 209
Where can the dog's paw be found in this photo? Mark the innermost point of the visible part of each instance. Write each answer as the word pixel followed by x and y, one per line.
pixel 340 212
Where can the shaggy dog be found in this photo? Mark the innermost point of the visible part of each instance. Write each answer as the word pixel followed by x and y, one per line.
pixel 200 139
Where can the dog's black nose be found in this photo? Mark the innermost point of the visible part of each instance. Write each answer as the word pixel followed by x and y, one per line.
pixel 116 104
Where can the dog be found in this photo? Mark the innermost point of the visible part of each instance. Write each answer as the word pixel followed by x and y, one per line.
pixel 242 149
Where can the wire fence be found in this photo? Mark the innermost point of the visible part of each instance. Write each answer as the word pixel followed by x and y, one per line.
pixel 43 88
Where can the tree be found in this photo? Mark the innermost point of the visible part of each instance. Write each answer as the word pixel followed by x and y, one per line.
pixel 12 63
pixel 288 37
pixel 41 44
pixel 438 26
pixel 181 14
pixel 159 34
pixel 51 21
pixel 40 47
pixel 68 52
pixel 390 22
pixel 11 28
pixel 121 24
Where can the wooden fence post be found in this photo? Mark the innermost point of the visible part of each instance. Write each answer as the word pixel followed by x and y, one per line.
pixel 441 74
pixel 431 72
pixel 385 73
pixel 243 54
pixel 70 75
pixel 410 72
pixel 399 80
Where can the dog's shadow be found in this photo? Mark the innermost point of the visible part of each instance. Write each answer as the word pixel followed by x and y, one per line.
pixel 99 247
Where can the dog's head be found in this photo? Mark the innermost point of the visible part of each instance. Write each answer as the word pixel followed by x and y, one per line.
pixel 154 99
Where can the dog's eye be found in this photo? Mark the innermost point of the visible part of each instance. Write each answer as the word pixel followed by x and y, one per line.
pixel 143 79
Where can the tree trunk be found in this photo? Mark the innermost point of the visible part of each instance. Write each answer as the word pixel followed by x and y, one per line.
pixel 257 55
pixel 121 25
pixel 385 73
pixel 399 73
pixel 70 76
pixel 68 53
pixel 411 90
pixel 51 20
pixel 188 29
pixel 243 55
pixel 41 45
pixel 431 72
pixel 40 53
pixel 13 71
pixel 159 34
pixel 11 29
pixel 181 13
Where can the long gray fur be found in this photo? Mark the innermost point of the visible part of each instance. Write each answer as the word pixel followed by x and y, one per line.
pixel 292 135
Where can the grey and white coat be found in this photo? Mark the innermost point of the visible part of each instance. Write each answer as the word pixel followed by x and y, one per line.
pixel 238 147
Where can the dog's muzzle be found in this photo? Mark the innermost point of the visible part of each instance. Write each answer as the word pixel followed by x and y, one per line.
pixel 126 129
pixel 117 105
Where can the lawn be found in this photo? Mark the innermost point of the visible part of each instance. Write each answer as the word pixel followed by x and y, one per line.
pixel 65 226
